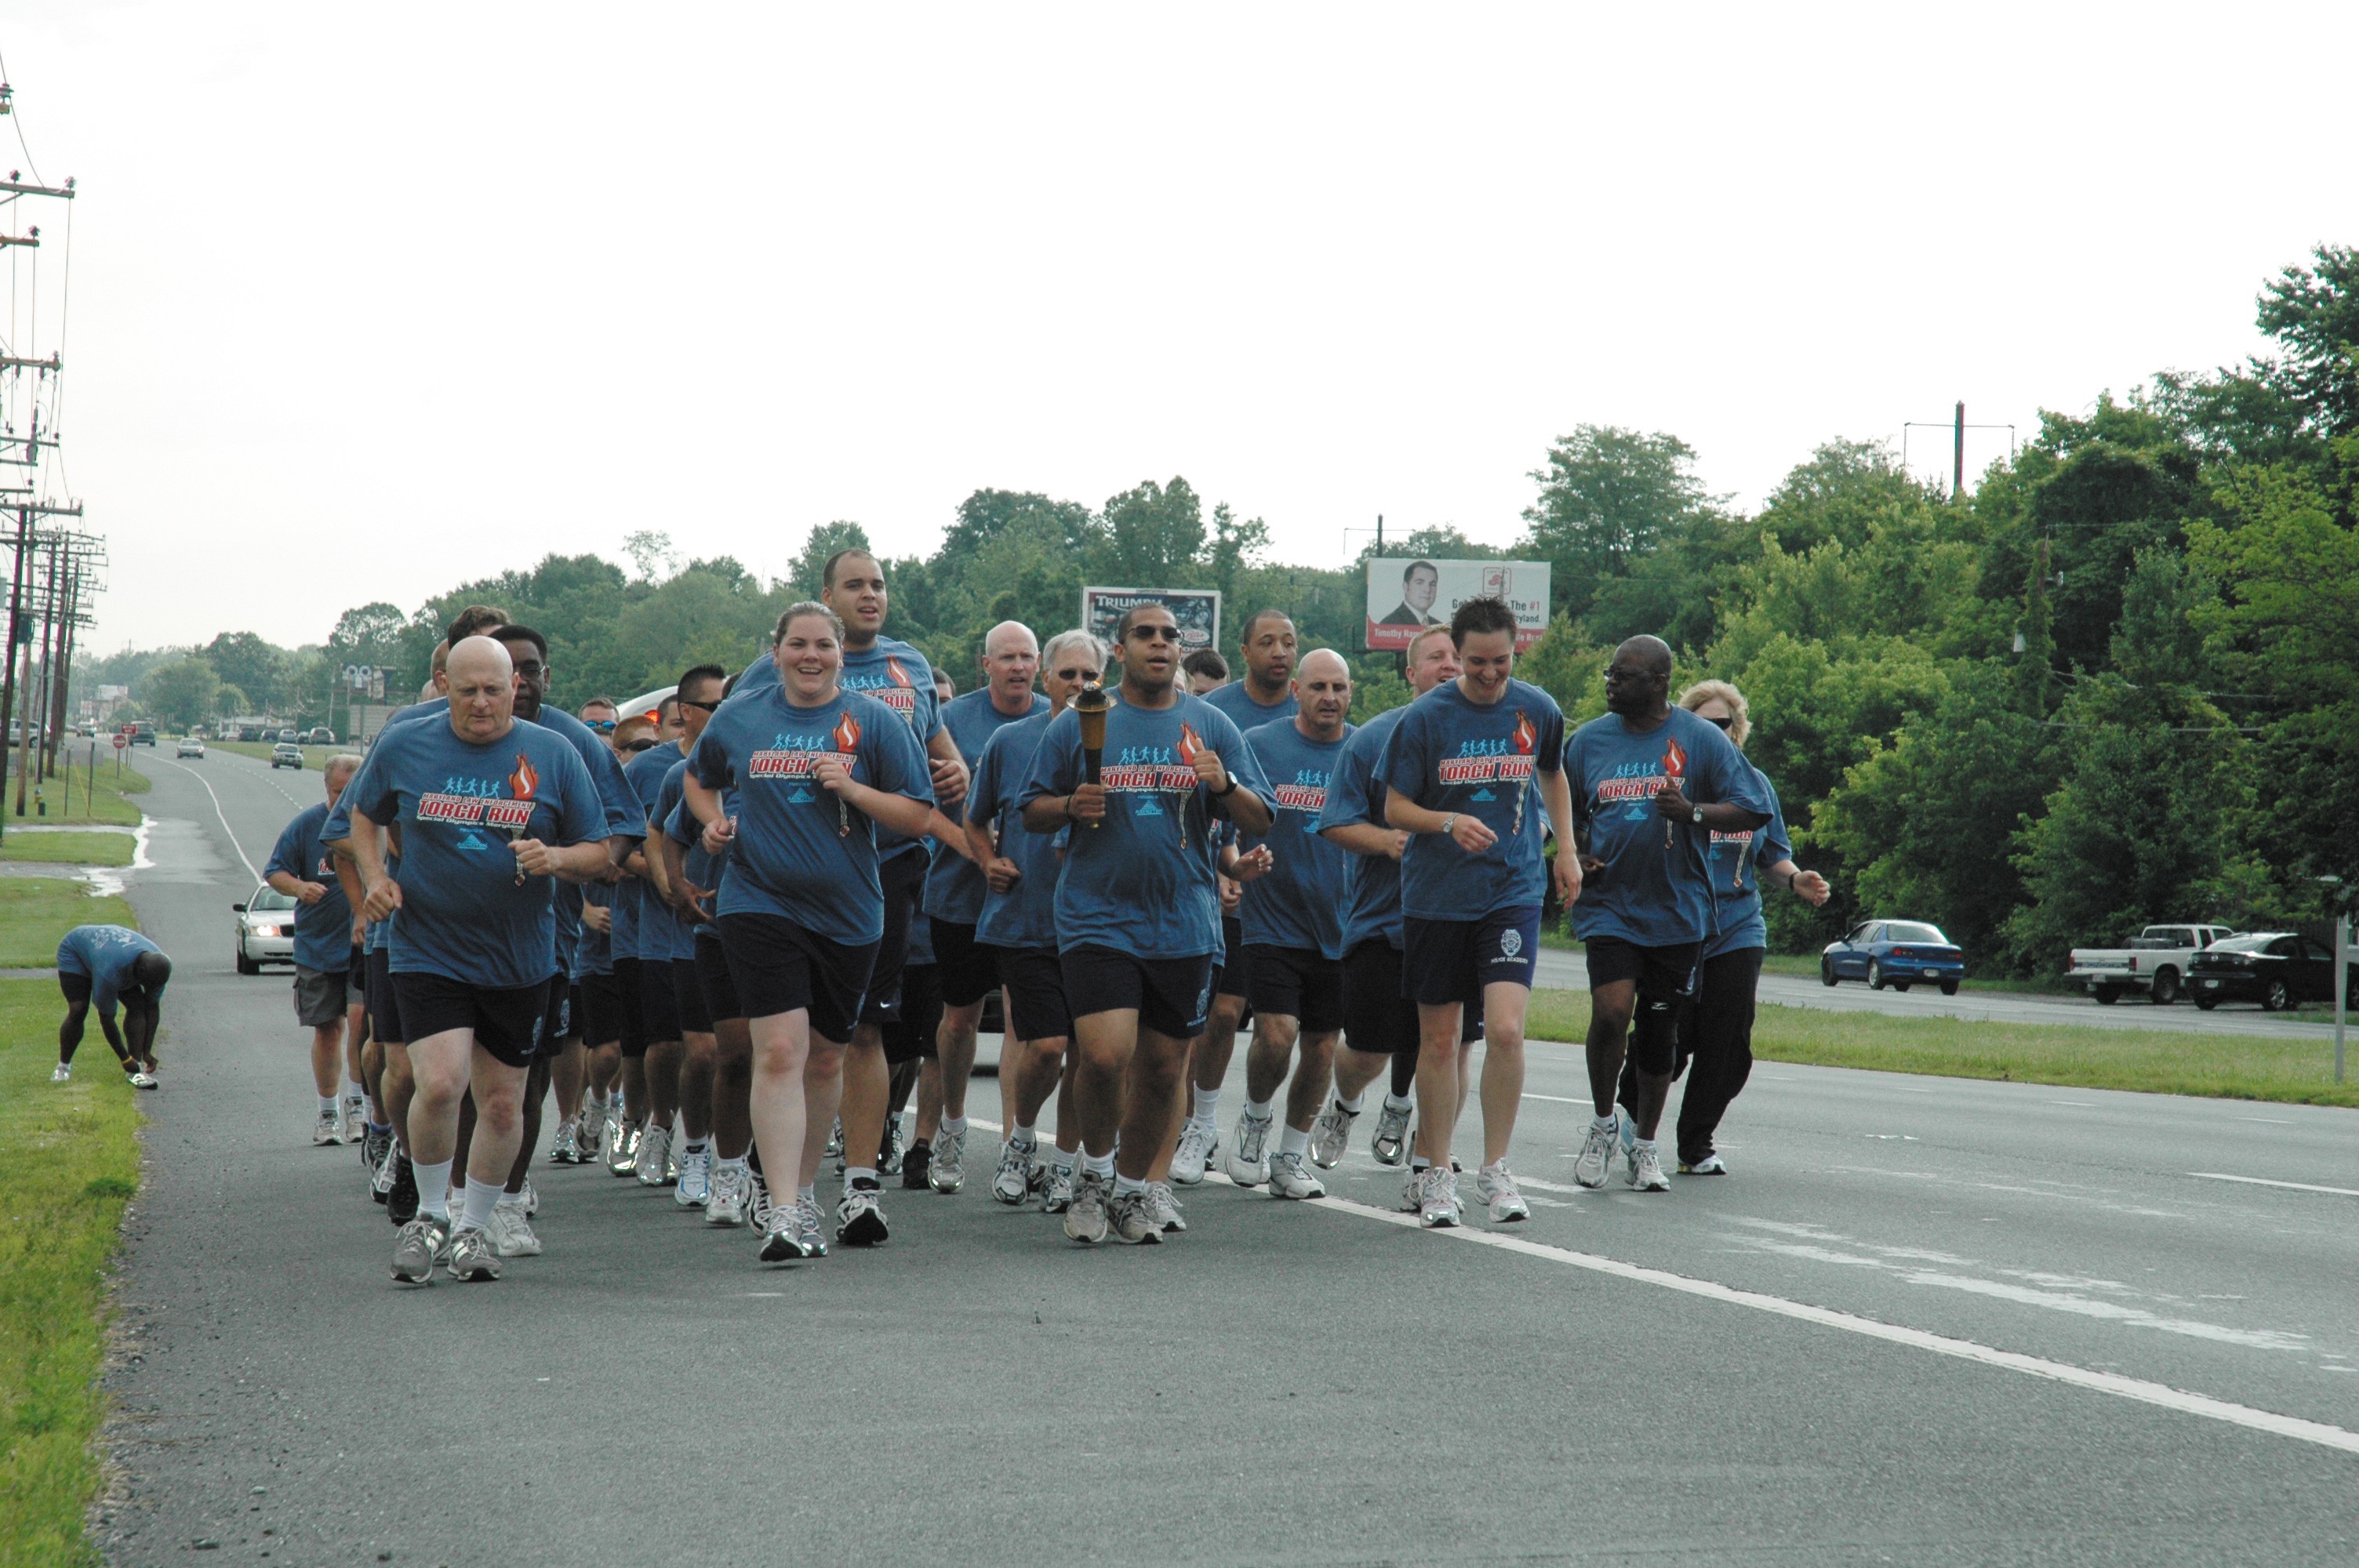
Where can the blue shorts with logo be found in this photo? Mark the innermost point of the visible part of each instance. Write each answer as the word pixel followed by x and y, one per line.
pixel 1444 961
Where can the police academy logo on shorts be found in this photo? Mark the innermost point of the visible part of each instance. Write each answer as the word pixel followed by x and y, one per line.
pixel 1511 945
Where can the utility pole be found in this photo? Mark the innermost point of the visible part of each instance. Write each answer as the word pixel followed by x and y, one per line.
pixel 1958 463
pixel 19 636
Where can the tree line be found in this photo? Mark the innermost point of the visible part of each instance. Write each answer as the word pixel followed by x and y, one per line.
pixel 2117 682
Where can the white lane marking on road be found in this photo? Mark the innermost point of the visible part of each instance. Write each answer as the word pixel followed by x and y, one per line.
pixel 2075 1104
pixel 2134 1389
pixel 2265 1120
pixel 1557 1099
pixel 220 813
pixel 2264 1182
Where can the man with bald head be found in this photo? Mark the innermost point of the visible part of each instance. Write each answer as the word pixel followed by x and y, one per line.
pixel 302 867
pixel 969 971
pixel 490 809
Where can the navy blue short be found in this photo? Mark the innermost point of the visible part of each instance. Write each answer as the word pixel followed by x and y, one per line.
pixel 507 1020
pixel 688 998
pixel 384 1006
pixel 626 991
pixel 713 973
pixel 1300 983
pixel 777 967
pixel 1664 974
pixel 1377 1018
pixel 970 971
pixel 558 1023
pixel 1173 996
pixel 1035 978
pixel 600 1013
pixel 1236 977
pixel 1444 961
pixel 658 1007
pixel 904 880
pixel 911 1035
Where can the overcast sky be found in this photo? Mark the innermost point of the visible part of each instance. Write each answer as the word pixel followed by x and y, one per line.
pixel 366 301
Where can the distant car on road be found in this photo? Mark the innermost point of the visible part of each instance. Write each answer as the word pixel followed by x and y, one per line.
pixel 191 747
pixel 321 736
pixel 1895 952
pixel 143 734
pixel 2155 962
pixel 285 755
pixel 2280 969
pixel 265 930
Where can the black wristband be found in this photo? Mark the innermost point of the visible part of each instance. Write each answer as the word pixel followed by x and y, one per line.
pixel 1229 790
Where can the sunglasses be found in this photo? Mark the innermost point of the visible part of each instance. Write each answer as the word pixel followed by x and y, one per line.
pixel 1723 722
pixel 601 726
pixel 1155 633
pixel 1082 672
pixel 642 744
pixel 700 707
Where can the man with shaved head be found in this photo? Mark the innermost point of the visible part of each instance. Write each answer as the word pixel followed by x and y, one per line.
pixel 956 886
pixel 490 809
pixel 302 867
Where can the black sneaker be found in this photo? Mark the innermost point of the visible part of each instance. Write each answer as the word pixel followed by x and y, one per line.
pixel 917 1166
pixel 401 1203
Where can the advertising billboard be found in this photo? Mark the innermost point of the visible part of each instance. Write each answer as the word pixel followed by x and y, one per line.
pixel 1197 610
pixel 1407 594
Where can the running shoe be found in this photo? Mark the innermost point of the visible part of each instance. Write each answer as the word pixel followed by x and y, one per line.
pixel 1710 1164
pixel 1596 1159
pixel 1131 1217
pixel 355 1121
pixel 781 1242
pixel 511 1230
pixel 655 1155
pixel 859 1217
pixel 1248 1163
pixel 531 1198
pixel 1647 1170
pixel 695 1183
pixel 949 1174
pixel 757 1202
pixel 888 1158
pixel 1495 1186
pixel 1167 1207
pixel 401 1192
pixel 1390 1145
pixel 373 1144
pixel 835 1144
pixel 624 1160
pixel 1290 1177
pixel 1057 1192
pixel 613 1135
pixel 1626 1129
pixel 917 1167
pixel 1437 1199
pixel 724 1196
pixel 1412 1181
pixel 379 1148
pixel 1085 1217
pixel 809 1229
pixel 60 1073
pixel 416 1247
pixel 471 1255
pixel 327 1129
pixel 566 1149
pixel 1012 1183
pixel 1331 1134
pixel 143 1079
pixel 1198 1139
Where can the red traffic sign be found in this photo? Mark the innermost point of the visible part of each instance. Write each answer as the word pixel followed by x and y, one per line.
pixel 121 740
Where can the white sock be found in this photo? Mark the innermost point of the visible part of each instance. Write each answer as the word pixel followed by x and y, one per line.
pixel 1420 1163
pixel 1290 1141
pixel 482 1198
pixel 855 1174
pixel 954 1124
pixel 1354 1103
pixel 692 1146
pixel 1024 1137
pixel 1646 1143
pixel 327 1105
pixel 1063 1158
pixel 1128 1184
pixel 1608 1123
pixel 353 1092
pixel 433 1187
pixel 1394 1102
pixel 736 1165
pixel 1098 1166
pixel 1208 1102
pixel 1257 1109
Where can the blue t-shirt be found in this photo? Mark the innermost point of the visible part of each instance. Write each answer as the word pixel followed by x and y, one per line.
pixel 1734 862
pixel 1236 699
pixel 379 936
pixel 106 954
pixel 1298 901
pixel 701 868
pixel 460 804
pixel 1356 796
pixel 594 955
pixel 922 938
pixel 639 908
pixel 1141 882
pixel 1646 892
pixel 605 768
pixel 1026 915
pixel 323 931
pixel 896 675
pixel 796 855
pixel 1448 754
pixel 954 884
pixel 664 934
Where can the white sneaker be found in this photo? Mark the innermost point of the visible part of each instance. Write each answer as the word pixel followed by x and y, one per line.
pixel 1412 1183
pixel 1390 1144
pixel 327 1129
pixel 1331 1134
pixel 1647 1170
pixel 511 1230
pixel 1495 1185
pixel 60 1073
pixel 1437 1198
pixel 859 1217
pixel 695 1182
pixel 1628 1131
pixel 807 1228
pixel 1596 1161
pixel 1085 1218
pixel 725 1197
pixel 143 1079
pixel 1012 1183
pixel 782 1241
pixel 946 1172
pixel 1290 1177
pixel 1248 1163
pixel 655 1154
pixel 1166 1207
pixel 1710 1164
pixel 355 1121
pixel 1130 1218
pixel 1198 1139
pixel 1057 1192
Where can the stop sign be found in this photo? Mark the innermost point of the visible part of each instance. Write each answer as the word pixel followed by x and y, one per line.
pixel 121 740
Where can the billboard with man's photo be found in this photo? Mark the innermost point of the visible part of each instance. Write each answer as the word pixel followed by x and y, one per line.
pixel 1197 611
pixel 1407 594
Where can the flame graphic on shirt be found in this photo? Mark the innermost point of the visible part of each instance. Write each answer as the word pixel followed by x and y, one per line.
pixel 1674 761
pixel 847 732
pixel 899 676
pixel 1526 736
pixel 1190 744
pixel 525 781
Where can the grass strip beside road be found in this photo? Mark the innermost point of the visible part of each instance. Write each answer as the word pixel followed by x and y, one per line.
pixel 314 757
pixel 112 804
pixel 37 912
pixel 2219 1066
pixel 69 848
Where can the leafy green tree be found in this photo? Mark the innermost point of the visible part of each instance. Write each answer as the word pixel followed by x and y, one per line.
pixel 181 694
pixel 243 659
pixel 1151 537
pixel 1607 497
pixel 803 574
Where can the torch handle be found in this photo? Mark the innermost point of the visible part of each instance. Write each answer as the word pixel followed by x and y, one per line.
pixel 1092 759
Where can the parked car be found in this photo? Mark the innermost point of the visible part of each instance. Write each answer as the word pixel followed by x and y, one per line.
pixel 285 754
pixel 191 747
pixel 2280 969
pixel 265 930
pixel 2155 962
pixel 1895 952
pixel 321 736
pixel 143 734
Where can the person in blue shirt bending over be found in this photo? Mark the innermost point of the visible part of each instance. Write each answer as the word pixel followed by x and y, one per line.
pixel 107 964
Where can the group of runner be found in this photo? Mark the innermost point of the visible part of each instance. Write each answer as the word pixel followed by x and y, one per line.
pixel 735 934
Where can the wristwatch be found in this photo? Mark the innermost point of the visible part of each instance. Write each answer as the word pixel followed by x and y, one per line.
pixel 1695 815
pixel 1227 790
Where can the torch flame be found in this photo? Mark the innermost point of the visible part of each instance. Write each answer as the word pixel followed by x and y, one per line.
pixel 525 781
pixel 1526 736
pixel 1190 744
pixel 847 733
pixel 1674 761
pixel 898 675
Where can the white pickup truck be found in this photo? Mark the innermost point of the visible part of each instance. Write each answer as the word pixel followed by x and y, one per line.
pixel 2155 962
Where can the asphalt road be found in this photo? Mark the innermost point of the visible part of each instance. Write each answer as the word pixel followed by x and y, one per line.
pixel 1926 1321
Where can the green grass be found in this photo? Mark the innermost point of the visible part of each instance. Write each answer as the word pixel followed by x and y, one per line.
pixel 36 911
pixel 69 848
pixel 2222 1067
pixel 112 804
pixel 1805 965
pixel 314 757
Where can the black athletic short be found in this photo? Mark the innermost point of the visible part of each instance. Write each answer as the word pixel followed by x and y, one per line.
pixel 970 971
pixel 507 1020
pixel 558 1023
pixel 1445 961
pixel 1300 983
pixel 573 1014
pixel 1664 974
pixel 713 973
pixel 384 1002
pixel 626 989
pixel 911 1033
pixel 777 967
pixel 601 1009
pixel 658 1009
pixel 688 998
pixel 1036 993
pixel 904 880
pixel 1376 1018
pixel 1172 995
pixel 1235 977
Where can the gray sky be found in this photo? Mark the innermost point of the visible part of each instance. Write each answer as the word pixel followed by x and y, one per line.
pixel 368 301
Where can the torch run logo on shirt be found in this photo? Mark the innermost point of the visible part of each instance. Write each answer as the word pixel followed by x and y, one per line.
pixel 1307 793
pixel 1480 762
pixel 472 809
pixel 791 756
pixel 1147 768
pixel 895 689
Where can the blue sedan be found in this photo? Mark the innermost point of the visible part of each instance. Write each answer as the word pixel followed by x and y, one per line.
pixel 1895 952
